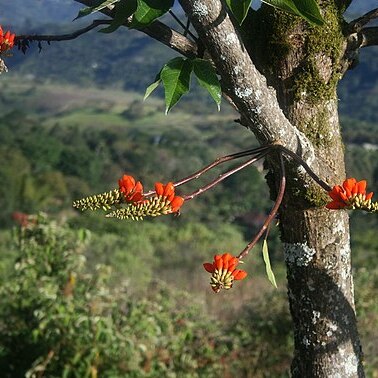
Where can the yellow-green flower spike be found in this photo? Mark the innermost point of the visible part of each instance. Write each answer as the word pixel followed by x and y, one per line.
pixel 153 207
pixel 103 201
pixel 359 202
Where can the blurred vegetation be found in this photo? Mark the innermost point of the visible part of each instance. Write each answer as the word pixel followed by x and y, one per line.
pixel 69 321
pixel 80 142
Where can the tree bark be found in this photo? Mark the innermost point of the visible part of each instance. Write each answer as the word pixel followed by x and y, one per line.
pixel 307 65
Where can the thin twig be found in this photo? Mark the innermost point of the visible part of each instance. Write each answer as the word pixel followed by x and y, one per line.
pixel 357 24
pixel 224 176
pixel 186 30
pixel 62 37
pixel 221 160
pixel 160 32
pixel 368 37
pixel 313 175
pixel 254 151
pixel 272 213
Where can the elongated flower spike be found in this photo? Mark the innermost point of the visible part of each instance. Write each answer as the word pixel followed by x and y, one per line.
pixel 163 202
pixel 352 195
pixel 6 40
pixel 223 272
pixel 129 191
pixel 138 206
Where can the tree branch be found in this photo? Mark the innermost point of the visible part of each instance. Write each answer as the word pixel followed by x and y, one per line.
pixel 368 37
pixel 256 102
pixel 364 38
pixel 357 24
pixel 62 37
pixel 185 28
pixel 272 214
pixel 160 32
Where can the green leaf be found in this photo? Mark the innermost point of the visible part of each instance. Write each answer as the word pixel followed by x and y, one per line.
pixel 268 268
pixel 284 5
pixel 239 8
pixel 148 11
pixel 208 79
pixel 151 88
pixel 307 9
pixel 100 5
pixel 123 10
pixel 175 76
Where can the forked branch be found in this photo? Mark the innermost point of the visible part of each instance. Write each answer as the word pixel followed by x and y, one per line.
pixel 369 37
pixel 357 24
pixel 160 32
pixel 273 212
pixel 61 37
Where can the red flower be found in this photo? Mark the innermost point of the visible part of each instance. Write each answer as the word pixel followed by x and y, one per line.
pixel 352 194
pixel 132 191
pixel 6 40
pixel 168 193
pixel 20 218
pixel 223 272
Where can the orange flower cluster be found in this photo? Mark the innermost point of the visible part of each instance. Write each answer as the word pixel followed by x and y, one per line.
pixel 133 193
pixel 351 195
pixel 223 272
pixel 167 193
pixel 6 40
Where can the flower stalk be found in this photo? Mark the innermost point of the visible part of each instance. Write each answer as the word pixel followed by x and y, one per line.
pixel 273 212
pixel 130 201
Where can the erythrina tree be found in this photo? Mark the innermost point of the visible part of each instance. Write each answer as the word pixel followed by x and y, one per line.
pixel 279 67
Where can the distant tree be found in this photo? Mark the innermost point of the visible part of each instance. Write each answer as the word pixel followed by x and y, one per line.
pixel 279 68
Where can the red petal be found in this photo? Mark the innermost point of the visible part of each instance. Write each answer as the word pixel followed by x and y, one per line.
pixel 344 196
pixel 219 264
pixel 138 187
pixel 176 203
pixel 169 190
pixel 135 197
pixel 369 195
pixel 335 192
pixel 348 185
pixel 208 267
pixel 232 266
pixel 226 256
pixel 126 184
pixel 361 187
pixel 159 188
pixel 239 274
pixel 335 205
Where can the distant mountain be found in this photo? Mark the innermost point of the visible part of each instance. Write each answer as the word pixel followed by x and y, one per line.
pixel 37 12
pixel 129 60
pixel 125 59
pixel 360 7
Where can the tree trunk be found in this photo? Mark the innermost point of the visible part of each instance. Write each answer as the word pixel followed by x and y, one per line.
pixel 304 64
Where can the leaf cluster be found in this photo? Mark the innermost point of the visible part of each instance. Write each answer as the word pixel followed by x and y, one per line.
pixel 175 76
